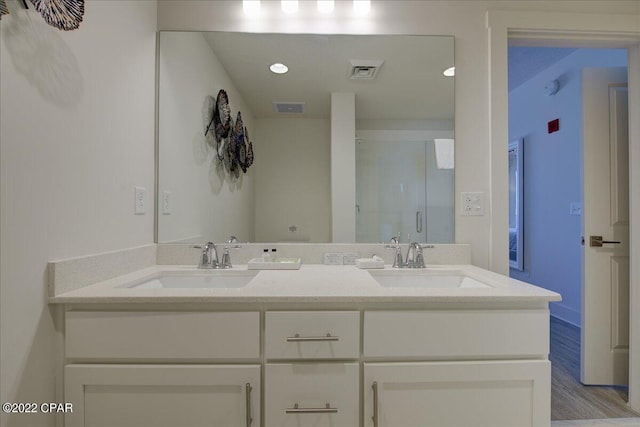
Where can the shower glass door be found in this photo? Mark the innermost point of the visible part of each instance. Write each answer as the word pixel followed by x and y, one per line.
pixel 391 190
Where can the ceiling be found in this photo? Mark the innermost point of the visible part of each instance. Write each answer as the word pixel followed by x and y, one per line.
pixel 526 62
pixel 409 85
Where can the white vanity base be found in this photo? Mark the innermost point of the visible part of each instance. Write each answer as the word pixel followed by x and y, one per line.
pixel 288 364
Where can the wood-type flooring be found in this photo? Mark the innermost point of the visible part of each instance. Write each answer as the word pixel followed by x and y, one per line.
pixel 570 400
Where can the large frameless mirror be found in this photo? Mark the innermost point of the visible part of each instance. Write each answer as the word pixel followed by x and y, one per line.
pixel 404 123
pixel 516 218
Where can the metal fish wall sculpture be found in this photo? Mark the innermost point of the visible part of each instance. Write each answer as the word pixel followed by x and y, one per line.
pixel 63 14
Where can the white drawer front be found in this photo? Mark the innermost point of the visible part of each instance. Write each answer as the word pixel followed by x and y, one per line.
pixel 312 386
pixel 452 333
pixel 303 335
pixel 162 335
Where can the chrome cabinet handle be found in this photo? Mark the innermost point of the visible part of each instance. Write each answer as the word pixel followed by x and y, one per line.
pixel 597 242
pixel 298 410
pixel 418 222
pixel 298 338
pixel 374 386
pixel 248 389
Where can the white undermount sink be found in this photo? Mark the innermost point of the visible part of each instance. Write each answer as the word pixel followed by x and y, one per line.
pixel 447 279
pixel 211 279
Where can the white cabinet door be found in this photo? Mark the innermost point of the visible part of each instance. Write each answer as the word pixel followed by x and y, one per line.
pixel 162 395
pixel 312 394
pixel 447 394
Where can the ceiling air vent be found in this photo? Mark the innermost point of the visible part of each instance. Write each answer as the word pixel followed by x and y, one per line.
pixel 364 69
pixel 289 107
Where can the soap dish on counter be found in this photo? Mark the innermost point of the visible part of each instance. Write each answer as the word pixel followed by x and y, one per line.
pixel 279 264
pixel 368 263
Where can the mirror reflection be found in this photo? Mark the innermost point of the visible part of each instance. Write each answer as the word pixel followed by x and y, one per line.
pixel 403 142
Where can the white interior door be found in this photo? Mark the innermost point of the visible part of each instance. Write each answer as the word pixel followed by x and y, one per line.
pixel 390 190
pixel 605 314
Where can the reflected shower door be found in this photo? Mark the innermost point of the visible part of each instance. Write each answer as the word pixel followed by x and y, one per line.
pixel 391 190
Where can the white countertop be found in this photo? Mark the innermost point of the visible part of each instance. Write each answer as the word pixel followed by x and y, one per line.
pixel 312 283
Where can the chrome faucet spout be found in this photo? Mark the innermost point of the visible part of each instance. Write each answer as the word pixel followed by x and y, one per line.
pixel 415 257
pixel 208 256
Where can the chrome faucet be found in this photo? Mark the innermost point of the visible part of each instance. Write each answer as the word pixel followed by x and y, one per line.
pixel 415 257
pixel 397 257
pixel 208 256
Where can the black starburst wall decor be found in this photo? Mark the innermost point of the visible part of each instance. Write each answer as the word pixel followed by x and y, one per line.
pixel 233 147
pixel 3 8
pixel 63 14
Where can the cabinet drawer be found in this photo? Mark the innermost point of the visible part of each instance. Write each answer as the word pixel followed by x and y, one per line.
pixel 162 335
pixel 312 386
pixel 303 335
pixel 456 334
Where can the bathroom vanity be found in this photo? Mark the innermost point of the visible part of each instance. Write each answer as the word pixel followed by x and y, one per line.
pixel 320 346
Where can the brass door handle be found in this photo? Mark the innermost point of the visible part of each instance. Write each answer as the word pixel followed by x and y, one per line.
pixel 597 242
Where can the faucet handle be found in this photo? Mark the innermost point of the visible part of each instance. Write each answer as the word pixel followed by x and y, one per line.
pixel 397 258
pixel 226 256
pixel 226 259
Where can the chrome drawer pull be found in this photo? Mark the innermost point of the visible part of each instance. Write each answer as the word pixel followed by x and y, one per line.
pixel 248 389
pixel 298 410
pixel 298 338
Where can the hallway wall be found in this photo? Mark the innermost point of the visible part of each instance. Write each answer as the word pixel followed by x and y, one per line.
pixel 552 176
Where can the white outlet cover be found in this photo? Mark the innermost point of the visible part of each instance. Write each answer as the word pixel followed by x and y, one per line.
pixel 472 203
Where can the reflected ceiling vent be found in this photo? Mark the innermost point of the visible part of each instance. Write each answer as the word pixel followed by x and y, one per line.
pixel 364 69
pixel 289 107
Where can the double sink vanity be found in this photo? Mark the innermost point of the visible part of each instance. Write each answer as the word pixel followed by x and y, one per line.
pixel 324 345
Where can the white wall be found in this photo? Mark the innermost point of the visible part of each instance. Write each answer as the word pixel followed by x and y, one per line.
pixel 293 179
pixel 343 167
pixel 207 203
pixel 552 175
pixel 77 113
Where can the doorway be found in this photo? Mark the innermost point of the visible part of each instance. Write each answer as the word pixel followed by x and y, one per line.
pixel 545 113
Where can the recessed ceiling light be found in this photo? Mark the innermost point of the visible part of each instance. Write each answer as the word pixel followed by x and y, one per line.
pixel 325 6
pixel 361 7
pixel 278 68
pixel 450 72
pixel 289 6
pixel 251 7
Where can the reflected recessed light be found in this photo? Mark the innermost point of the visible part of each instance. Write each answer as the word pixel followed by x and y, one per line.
pixel 450 72
pixel 278 68
pixel 289 6
pixel 325 6
pixel 251 7
pixel 361 7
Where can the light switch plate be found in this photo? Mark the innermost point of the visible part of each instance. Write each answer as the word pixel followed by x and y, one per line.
pixel 167 202
pixel 575 208
pixel 472 203
pixel 140 200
